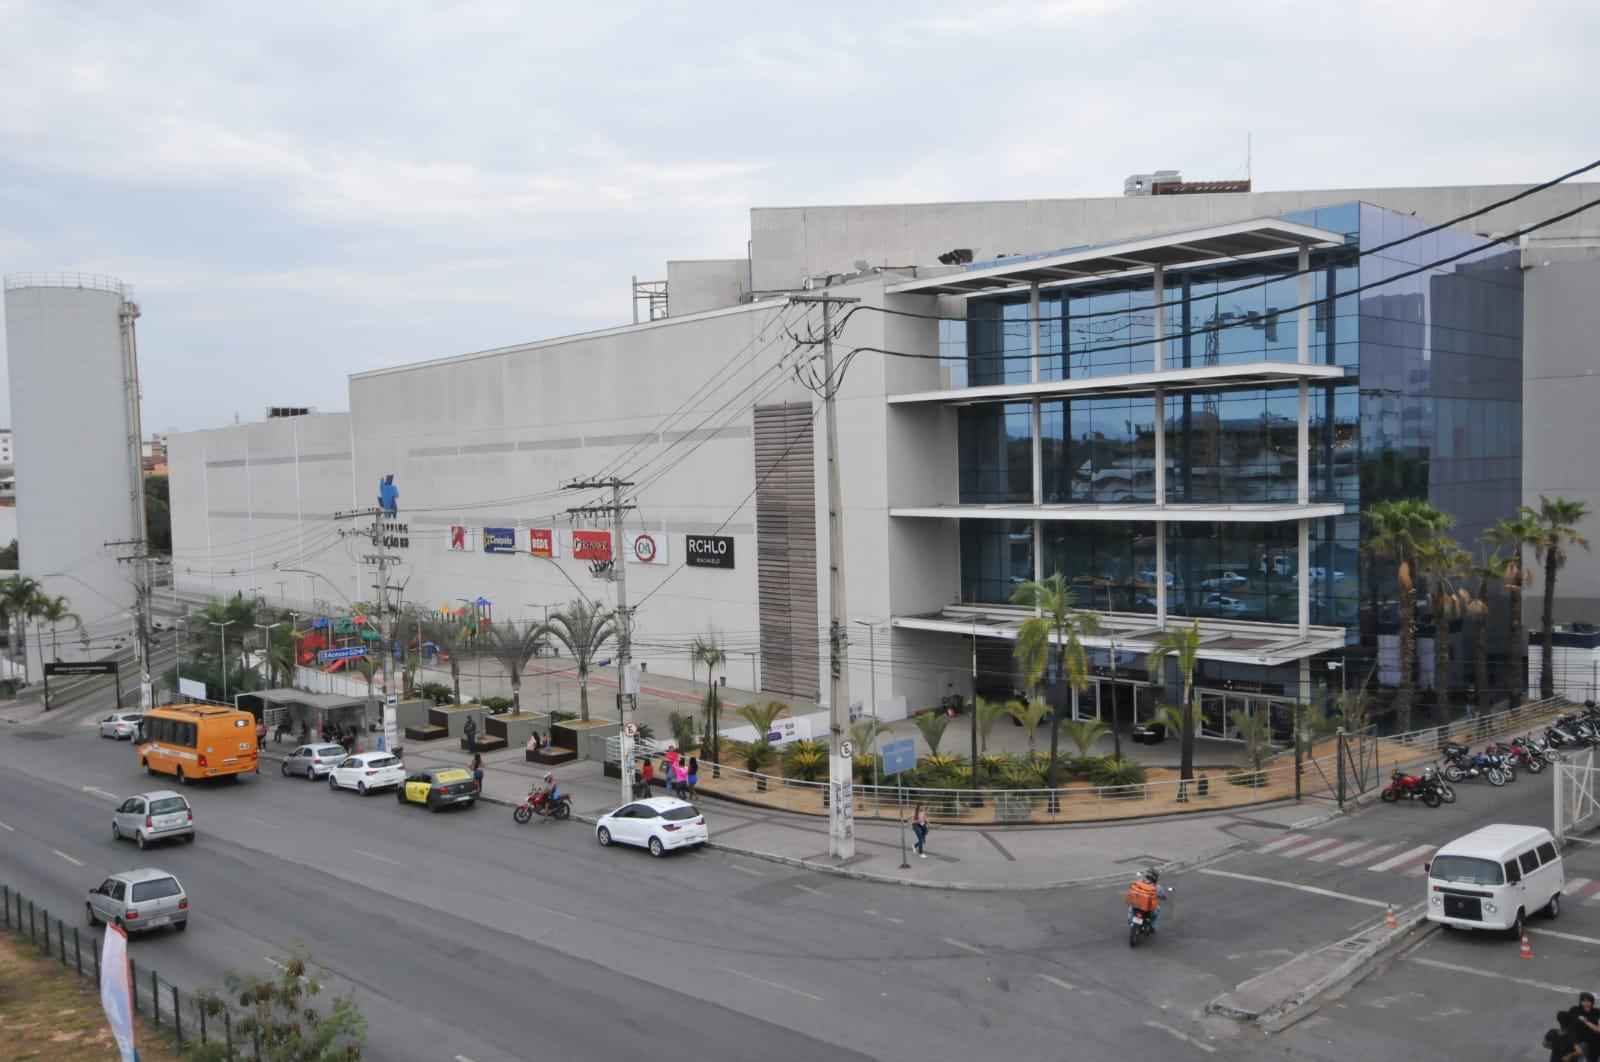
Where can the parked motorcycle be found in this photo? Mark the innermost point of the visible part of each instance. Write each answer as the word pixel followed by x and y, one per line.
pixel 1460 764
pixel 539 804
pixel 1411 787
pixel 1518 755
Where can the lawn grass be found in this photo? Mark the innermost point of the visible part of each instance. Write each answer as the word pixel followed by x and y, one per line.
pixel 50 1014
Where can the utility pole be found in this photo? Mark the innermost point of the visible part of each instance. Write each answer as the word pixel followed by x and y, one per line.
pixel 841 808
pixel 381 559
pixel 222 649
pixel 627 689
pixel 141 617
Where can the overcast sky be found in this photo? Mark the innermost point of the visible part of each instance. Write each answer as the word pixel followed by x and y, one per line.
pixel 299 191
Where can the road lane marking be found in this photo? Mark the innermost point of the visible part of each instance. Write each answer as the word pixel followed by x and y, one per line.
pixel 886 918
pixel 1337 851
pixel 747 870
pixel 1410 855
pixel 1325 844
pixel 1293 885
pixel 550 910
pixel 1058 982
pixel 963 945
pixel 808 888
pixel 1285 842
pixel 379 858
pixel 8 829
pixel 771 984
pixel 1185 1037
pixel 263 822
pixel 463 1058
pixel 1564 936
pixel 63 855
pixel 99 792
pixel 1372 852
pixel 1565 990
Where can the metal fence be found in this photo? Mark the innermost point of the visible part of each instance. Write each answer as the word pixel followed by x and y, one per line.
pixel 157 999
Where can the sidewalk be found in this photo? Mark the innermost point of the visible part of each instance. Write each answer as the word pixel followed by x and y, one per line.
pixel 1001 858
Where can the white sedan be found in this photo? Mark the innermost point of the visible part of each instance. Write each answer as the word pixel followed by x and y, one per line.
pixel 659 824
pixel 121 725
pixel 367 771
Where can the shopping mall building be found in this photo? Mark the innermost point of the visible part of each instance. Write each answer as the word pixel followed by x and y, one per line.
pixel 1022 409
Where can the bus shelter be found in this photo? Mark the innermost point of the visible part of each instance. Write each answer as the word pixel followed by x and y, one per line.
pixel 301 716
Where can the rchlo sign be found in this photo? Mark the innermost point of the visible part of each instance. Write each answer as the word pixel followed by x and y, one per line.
pixel 709 551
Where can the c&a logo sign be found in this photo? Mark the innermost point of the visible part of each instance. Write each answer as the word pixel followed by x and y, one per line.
pixel 646 547
pixel 458 538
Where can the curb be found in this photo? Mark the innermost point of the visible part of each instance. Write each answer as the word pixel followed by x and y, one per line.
pixel 1362 952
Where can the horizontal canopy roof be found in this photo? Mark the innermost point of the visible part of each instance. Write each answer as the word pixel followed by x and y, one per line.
pixel 1235 641
pixel 1192 247
pixel 1201 377
pixel 1239 513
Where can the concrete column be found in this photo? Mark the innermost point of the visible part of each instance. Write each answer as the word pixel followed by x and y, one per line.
pixel 1303 576
pixel 1303 351
pixel 1158 281
pixel 1303 328
pixel 1302 442
pixel 1161 574
pixel 1038 433
pixel 1161 447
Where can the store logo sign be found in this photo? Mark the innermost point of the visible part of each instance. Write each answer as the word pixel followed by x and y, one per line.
pixel 645 547
pixel 542 542
pixel 388 494
pixel 458 538
pixel 591 545
pixel 499 540
pixel 709 551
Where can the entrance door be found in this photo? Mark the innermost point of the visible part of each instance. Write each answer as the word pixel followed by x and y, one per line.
pixel 1213 715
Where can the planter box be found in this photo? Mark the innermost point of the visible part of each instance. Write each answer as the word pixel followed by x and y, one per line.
pixel 453 717
pixel 515 730
pixel 410 715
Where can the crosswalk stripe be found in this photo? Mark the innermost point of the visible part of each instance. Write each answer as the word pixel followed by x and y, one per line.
pixel 1326 844
pixel 1590 892
pixel 1575 886
pixel 1368 853
pixel 1337 850
pixel 1410 855
pixel 1282 843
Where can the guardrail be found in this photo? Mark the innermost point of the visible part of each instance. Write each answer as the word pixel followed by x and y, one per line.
pixel 157 999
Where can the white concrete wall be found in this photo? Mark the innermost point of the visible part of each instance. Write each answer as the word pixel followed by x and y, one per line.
pixel 699 284
pixel 75 478
pixel 791 243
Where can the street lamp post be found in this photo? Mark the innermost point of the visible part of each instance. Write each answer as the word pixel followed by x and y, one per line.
pixel 266 630
pixel 222 649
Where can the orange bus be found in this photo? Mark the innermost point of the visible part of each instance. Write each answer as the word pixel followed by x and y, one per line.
pixel 197 741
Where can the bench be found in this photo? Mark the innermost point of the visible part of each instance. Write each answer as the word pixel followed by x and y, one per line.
pixel 486 743
pixel 426 732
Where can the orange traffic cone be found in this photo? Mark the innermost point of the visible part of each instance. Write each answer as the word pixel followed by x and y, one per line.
pixel 1527 948
pixel 1390 920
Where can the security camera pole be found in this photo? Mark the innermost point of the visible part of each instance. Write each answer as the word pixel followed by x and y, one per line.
pixel 841 806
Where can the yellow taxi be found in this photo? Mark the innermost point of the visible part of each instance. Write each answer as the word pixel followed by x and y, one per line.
pixel 439 787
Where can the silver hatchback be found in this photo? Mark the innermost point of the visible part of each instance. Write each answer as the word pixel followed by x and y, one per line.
pixel 139 900
pixel 314 761
pixel 150 817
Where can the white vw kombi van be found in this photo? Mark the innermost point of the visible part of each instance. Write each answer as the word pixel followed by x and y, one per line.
pixel 1494 877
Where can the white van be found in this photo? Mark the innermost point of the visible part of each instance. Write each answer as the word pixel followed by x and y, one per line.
pixel 1494 877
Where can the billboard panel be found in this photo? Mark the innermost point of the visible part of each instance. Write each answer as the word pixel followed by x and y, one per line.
pixel 591 545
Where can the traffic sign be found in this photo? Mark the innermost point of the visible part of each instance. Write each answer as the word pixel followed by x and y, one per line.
pixel 347 653
pixel 899 756
pixel 631 729
pixel 847 749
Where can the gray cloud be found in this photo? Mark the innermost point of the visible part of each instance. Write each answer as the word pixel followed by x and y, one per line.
pixel 301 191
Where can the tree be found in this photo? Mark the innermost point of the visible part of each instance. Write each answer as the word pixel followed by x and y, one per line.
pixel 1253 729
pixel 10 557
pixel 284 1013
pixel 1557 520
pixel 55 611
pixel 513 647
pixel 1513 535
pixel 989 713
pixel 1030 714
pixel 1183 645
pixel 1440 559
pixel 238 613
pixel 583 627
pixel 1398 530
pixel 280 654
pixel 19 598
pixel 708 651
pixel 451 637
pixel 931 725
pixel 1494 568
pixel 1084 733
pixel 762 717
pixel 1055 620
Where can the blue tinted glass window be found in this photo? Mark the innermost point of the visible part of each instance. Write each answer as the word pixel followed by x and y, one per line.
pixel 995 447
pixel 996 558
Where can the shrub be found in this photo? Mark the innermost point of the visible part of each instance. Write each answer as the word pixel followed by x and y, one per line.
pixel 1084 767
pixel 1123 772
pixel 805 760
pixel 943 763
pixel 756 755
pixel 497 705
pixel 562 717
pixel 932 725
pixel 439 693
pixel 682 724
pixel 1013 807
pixel 1021 776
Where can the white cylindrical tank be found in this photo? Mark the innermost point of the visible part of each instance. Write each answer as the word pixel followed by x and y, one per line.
pixel 75 415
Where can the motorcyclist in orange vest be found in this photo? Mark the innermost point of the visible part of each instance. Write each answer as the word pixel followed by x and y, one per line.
pixel 1146 894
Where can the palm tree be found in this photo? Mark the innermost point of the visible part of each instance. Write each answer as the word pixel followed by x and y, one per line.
pixel 706 650
pixel 1030 714
pixel 1055 620
pixel 1441 559
pixel 1558 520
pixel 1476 606
pixel 1084 733
pixel 20 596
pixel 1183 645
pixel 932 726
pixel 514 647
pixel 762 717
pixel 989 713
pixel 451 637
pixel 55 611
pixel 1398 531
pixel 1513 536
pixel 584 628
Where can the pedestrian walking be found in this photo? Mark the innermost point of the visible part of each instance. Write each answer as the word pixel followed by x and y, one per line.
pixel 694 775
pixel 919 826
pixel 647 775
pixel 470 732
pixel 477 770
pixel 680 779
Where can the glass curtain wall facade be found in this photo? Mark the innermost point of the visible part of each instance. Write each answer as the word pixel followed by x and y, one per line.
pixel 1435 413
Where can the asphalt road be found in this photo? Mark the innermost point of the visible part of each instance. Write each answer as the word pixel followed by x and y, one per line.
pixel 464 935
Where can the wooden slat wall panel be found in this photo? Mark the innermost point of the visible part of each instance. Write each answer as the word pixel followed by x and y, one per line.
pixel 786 548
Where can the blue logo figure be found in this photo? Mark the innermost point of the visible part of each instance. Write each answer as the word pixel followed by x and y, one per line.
pixel 388 494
